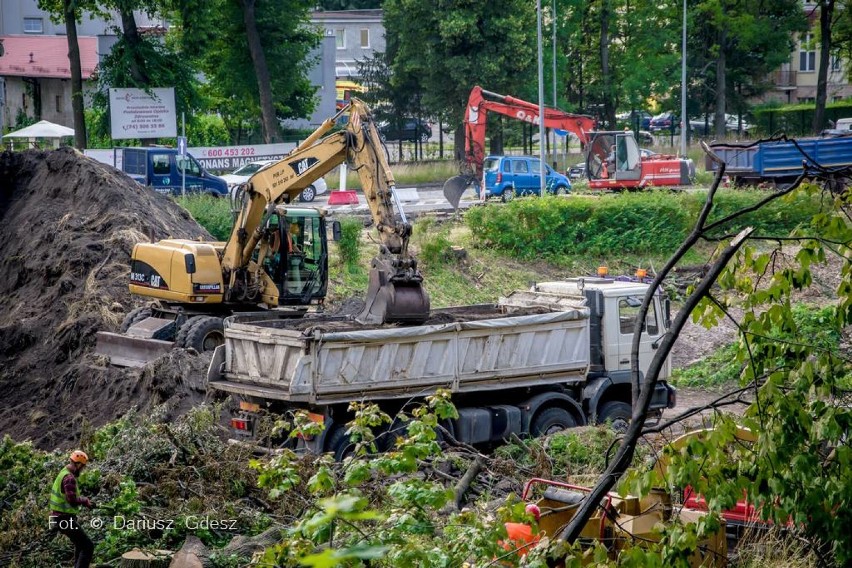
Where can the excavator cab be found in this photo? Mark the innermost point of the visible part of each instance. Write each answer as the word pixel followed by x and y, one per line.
pixel 297 257
pixel 614 156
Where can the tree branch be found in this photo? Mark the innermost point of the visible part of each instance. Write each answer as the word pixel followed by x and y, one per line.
pixel 625 453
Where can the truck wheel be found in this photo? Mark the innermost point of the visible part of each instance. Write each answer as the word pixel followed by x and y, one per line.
pixel 561 190
pixel 308 194
pixel 339 444
pixel 202 333
pixel 617 413
pixel 508 194
pixel 135 316
pixel 551 420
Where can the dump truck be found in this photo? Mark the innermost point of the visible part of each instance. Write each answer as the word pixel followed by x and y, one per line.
pixel 539 361
pixel 780 161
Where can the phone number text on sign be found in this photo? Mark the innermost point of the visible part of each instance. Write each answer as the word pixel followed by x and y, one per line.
pixel 228 152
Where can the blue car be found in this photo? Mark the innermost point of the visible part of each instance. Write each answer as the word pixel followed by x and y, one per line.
pixel 508 176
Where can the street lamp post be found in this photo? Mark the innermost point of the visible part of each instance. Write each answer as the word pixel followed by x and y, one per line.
pixel 684 122
pixel 540 103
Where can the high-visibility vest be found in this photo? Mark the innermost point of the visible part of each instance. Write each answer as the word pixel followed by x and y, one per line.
pixel 58 502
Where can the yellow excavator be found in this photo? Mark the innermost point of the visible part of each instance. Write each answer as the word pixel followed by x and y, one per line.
pixel 276 256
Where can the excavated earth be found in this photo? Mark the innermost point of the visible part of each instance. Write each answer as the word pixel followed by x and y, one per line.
pixel 67 228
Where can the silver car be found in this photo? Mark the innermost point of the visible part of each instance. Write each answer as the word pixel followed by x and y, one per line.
pixel 243 174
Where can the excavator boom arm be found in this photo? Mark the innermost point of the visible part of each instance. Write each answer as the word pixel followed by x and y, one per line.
pixel 480 102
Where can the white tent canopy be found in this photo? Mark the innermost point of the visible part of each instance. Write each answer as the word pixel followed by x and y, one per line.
pixel 42 129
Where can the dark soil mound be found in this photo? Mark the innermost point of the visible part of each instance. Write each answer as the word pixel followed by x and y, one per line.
pixel 67 228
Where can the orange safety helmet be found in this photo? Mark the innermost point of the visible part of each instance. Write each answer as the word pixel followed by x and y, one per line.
pixel 78 456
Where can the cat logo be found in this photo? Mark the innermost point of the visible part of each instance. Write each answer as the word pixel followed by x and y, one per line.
pixel 303 165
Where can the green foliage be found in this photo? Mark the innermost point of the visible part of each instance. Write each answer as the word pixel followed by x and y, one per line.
pixel 448 48
pixel 349 245
pixel 798 468
pixel 433 240
pixel 213 34
pixel 376 507
pixel 797 119
pixel 212 213
pixel 646 222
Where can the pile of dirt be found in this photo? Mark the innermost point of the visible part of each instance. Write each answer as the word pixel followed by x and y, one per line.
pixel 67 228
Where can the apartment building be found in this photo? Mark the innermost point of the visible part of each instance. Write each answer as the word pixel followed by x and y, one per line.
pixel 796 80
pixel 357 35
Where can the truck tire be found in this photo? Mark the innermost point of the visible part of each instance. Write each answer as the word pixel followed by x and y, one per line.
pixel 339 444
pixel 135 316
pixel 551 420
pixel 508 194
pixel 617 413
pixel 202 333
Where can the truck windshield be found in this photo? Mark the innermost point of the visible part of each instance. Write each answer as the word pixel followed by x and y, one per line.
pixel 192 168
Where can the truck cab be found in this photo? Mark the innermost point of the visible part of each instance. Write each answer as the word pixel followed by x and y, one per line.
pixel 163 170
pixel 614 305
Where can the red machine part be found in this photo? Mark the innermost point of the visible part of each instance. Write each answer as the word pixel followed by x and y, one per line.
pixel 477 110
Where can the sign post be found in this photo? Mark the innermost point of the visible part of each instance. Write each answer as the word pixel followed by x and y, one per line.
pixel 181 142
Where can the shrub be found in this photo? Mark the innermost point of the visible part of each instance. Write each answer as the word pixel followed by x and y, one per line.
pixel 349 244
pixel 212 213
pixel 646 222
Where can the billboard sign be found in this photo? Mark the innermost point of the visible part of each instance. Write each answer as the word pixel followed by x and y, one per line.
pixel 135 113
pixel 229 158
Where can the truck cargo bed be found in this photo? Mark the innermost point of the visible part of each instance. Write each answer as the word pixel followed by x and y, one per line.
pixel 461 349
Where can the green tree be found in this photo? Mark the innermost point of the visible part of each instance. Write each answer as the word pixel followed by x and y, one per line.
pixel 450 46
pixel 68 12
pixel 217 36
pixel 741 42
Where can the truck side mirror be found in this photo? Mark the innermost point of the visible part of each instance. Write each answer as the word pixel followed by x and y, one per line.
pixel 336 232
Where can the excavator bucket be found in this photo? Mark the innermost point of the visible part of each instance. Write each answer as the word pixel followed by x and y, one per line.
pixel 455 187
pixel 394 300
pixel 128 351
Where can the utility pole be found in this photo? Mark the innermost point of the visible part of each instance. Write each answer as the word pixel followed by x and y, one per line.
pixel 684 122
pixel 540 103
pixel 555 102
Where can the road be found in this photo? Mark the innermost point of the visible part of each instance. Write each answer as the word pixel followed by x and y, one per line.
pixel 415 201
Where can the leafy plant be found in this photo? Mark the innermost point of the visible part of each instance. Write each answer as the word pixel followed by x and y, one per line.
pixel 349 245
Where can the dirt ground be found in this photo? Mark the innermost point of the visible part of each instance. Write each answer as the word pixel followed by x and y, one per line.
pixel 67 227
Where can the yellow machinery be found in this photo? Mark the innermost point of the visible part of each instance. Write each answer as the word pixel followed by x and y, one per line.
pixel 276 255
pixel 621 522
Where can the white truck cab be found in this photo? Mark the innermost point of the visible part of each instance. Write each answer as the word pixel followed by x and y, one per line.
pixel 614 305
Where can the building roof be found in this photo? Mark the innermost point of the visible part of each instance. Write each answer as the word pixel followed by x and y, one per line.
pixel 45 56
pixel 348 15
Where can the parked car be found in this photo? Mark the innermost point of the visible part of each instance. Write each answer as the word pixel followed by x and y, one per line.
pixel 629 119
pixel 577 171
pixel 508 176
pixel 242 175
pixel 665 121
pixel 412 130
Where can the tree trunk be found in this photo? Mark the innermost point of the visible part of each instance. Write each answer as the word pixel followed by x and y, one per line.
pixel 721 86
pixel 76 75
pixel 134 40
pixel 271 132
pixel 608 106
pixel 826 11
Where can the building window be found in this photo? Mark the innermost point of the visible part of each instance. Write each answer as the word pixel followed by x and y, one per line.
pixel 33 26
pixel 807 56
pixel 340 38
pixel 365 39
pixel 806 100
pixel 59 103
pixel 835 63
